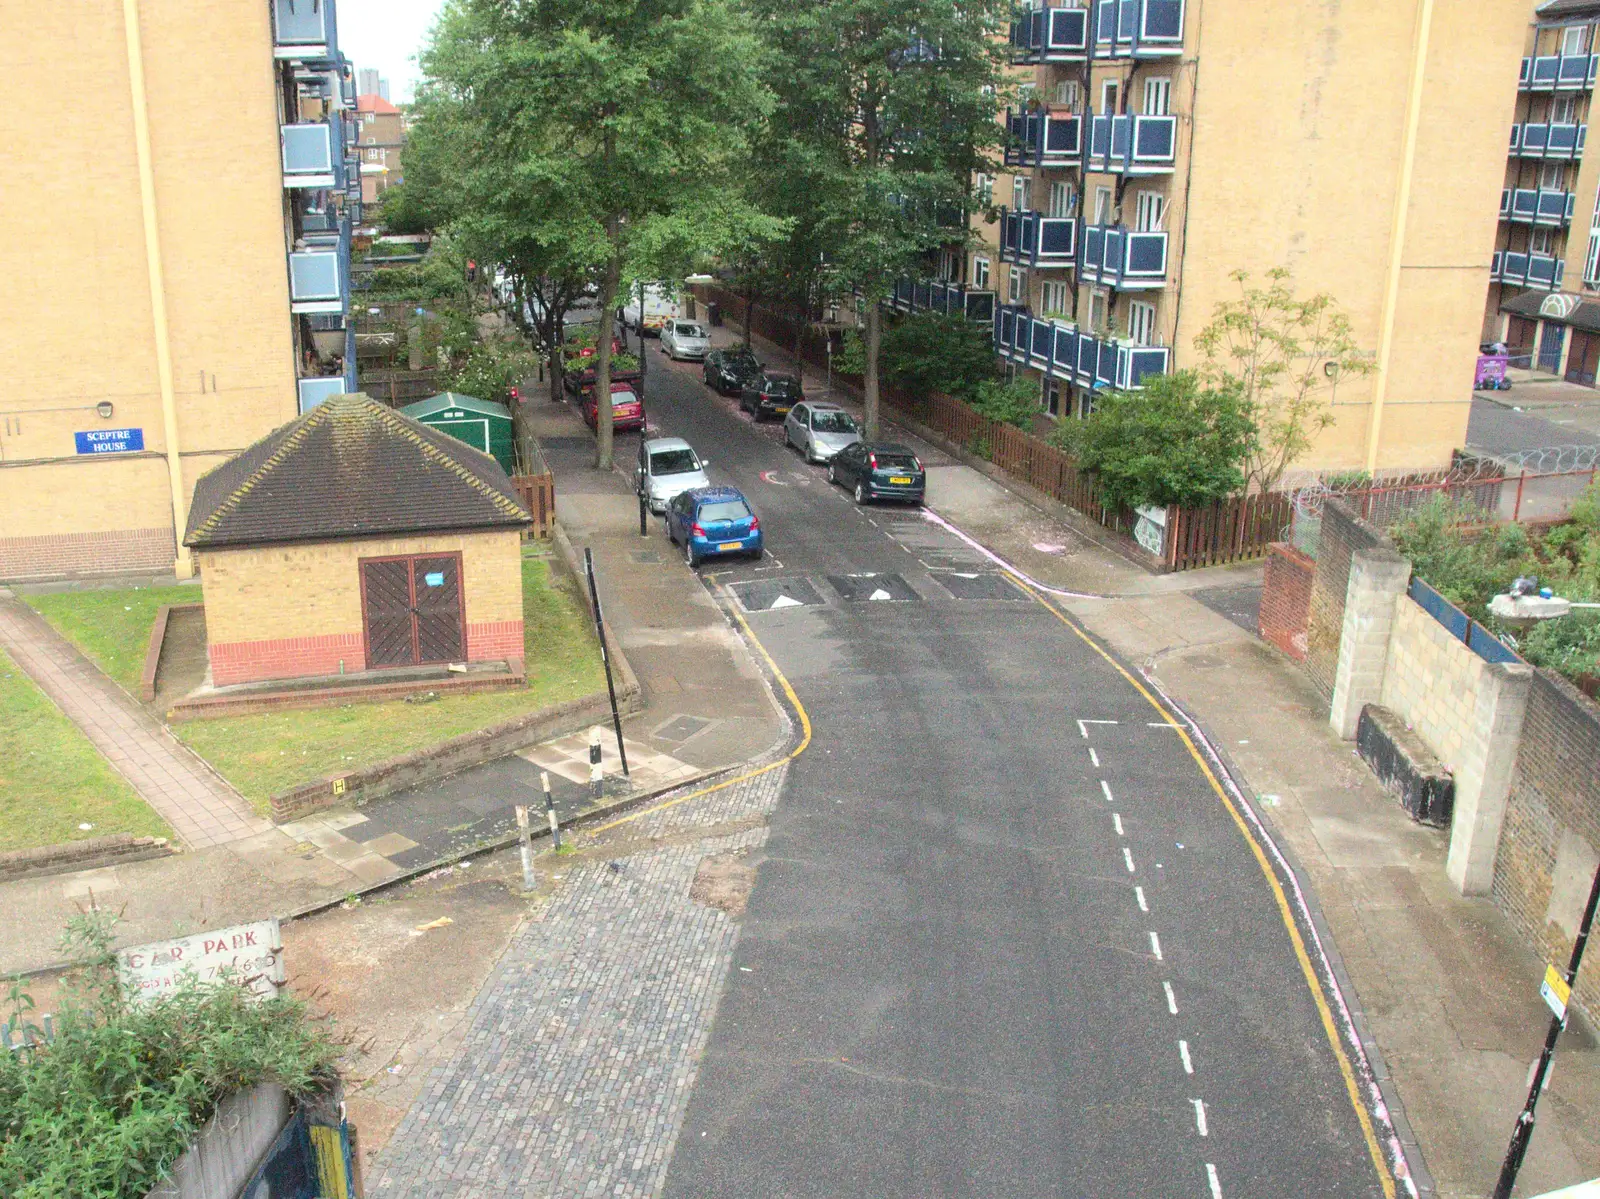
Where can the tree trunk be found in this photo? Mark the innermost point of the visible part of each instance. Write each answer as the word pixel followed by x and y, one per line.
pixel 610 282
pixel 869 380
pixel 749 312
pixel 555 315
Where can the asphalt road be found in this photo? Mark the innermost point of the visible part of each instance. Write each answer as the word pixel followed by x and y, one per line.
pixel 991 950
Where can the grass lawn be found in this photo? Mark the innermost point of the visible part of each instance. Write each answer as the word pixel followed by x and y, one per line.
pixel 112 627
pixel 263 755
pixel 52 779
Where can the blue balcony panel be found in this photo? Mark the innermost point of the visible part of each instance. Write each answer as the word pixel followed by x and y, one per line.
pixel 1559 72
pixel 1132 145
pixel 1138 29
pixel 1052 34
pixel 319 279
pixel 307 30
pixel 1043 139
pixel 1127 259
pixel 1550 142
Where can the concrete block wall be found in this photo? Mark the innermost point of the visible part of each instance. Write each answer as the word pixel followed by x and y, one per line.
pixel 1286 598
pixel 1378 579
pixel 1431 682
pixel 1550 840
pixel 1343 533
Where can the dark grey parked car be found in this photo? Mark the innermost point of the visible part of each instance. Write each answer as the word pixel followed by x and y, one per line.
pixel 880 470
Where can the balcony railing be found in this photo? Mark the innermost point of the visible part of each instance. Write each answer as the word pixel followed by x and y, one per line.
pixel 1543 271
pixel 1033 239
pixel 1064 352
pixel 1044 139
pixel 1559 73
pixel 313 153
pixel 319 276
pixel 1138 28
pixel 1537 206
pixel 1548 141
pixel 305 29
pixel 1132 145
pixel 1119 257
pixel 937 295
pixel 1050 34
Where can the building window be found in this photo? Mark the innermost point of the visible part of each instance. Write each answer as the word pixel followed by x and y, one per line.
pixel 374 155
pixel 1575 39
pixel 950 265
pixel 1061 200
pixel 1151 212
pixel 986 190
pixel 980 273
pixel 1564 110
pixel 1014 287
pixel 1553 176
pixel 1067 94
pixel 1097 311
pixel 1052 397
pixel 1102 205
pixel 1539 241
pixel 1108 96
pixel 1157 97
pixel 1141 323
pixel 1019 194
pixel 1057 300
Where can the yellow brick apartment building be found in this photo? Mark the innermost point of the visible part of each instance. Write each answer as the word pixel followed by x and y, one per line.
pixel 1163 144
pixel 176 261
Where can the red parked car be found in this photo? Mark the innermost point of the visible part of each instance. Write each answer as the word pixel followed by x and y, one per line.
pixel 627 410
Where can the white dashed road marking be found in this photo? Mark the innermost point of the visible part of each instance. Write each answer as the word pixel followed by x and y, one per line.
pixel 1216 1184
pixel 1105 789
pixel 1094 757
pixel 1138 893
pixel 1172 1000
pixel 1083 725
pixel 1155 946
pixel 1183 1052
pixel 1127 856
pixel 1200 1116
pixel 1117 821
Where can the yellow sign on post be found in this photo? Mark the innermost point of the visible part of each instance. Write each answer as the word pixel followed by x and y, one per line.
pixel 1555 992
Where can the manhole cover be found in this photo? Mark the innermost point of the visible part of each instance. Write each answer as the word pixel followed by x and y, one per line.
pixel 681 728
pixel 972 585
pixel 645 557
pixel 766 595
pixel 866 588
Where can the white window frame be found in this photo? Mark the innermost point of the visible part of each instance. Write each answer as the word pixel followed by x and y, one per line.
pixel 1102 206
pixel 1158 96
pixel 1060 204
pixel 1056 299
pixel 980 272
pixel 1016 286
pixel 1110 93
pixel 1054 391
pixel 986 190
pixel 1099 310
pixel 1541 241
pixel 1556 171
pixel 1563 110
pixel 1141 323
pixel 1069 94
pixel 1575 39
pixel 1150 212
pixel 1021 193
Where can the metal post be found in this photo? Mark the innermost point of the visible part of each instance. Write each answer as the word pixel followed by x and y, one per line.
pixel 643 417
pixel 597 778
pixel 550 809
pixel 605 658
pixel 1523 1132
pixel 525 835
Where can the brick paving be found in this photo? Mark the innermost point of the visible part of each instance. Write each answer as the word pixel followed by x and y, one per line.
pixel 199 806
pixel 583 1046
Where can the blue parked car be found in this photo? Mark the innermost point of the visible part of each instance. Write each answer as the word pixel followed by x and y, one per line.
pixel 713 521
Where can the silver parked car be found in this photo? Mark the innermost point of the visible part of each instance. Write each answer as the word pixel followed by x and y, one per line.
pixel 819 431
pixel 685 339
pixel 668 466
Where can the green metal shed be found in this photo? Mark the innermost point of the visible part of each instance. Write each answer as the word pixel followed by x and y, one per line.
pixel 482 424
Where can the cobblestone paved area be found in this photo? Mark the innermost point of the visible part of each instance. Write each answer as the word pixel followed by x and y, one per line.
pixel 583 1045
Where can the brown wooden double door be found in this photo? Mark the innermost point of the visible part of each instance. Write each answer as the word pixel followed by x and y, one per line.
pixel 412 611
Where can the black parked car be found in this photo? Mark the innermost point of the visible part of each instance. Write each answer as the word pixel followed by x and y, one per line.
pixel 728 371
pixel 880 470
pixel 771 395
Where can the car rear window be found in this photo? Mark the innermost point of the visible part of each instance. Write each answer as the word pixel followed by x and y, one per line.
pixel 724 510
pixel 893 461
pixel 781 387
pixel 619 398
pixel 832 422
pixel 673 462
pixel 688 330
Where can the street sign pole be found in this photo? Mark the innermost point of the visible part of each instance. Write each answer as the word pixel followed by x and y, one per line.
pixel 1523 1132
pixel 605 658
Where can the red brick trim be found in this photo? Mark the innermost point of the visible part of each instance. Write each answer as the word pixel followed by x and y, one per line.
pixel 286 658
pixel 1286 598
pixel 489 641
pixel 66 555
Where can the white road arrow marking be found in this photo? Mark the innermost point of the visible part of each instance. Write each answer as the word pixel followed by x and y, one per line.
pixel 880 594
pixel 783 601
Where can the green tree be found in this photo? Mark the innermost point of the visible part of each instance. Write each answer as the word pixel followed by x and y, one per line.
pixel 1178 441
pixel 933 352
pixel 600 137
pixel 402 210
pixel 889 110
pixel 1015 403
pixel 1285 356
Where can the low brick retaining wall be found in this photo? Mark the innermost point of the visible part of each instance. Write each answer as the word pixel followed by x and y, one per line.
pixel 152 653
pixel 216 707
pixel 88 854
pixel 1286 598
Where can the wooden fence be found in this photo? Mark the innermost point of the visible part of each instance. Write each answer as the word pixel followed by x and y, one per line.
pixel 538 496
pixel 398 387
pixel 1233 530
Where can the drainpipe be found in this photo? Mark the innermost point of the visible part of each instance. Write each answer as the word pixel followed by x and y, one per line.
pixel 1397 232
pixel 183 567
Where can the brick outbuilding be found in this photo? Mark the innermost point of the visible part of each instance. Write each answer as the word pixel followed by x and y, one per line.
pixel 354 538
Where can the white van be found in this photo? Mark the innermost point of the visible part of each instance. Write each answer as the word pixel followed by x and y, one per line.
pixel 660 306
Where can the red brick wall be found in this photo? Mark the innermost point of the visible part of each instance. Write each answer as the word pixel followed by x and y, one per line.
pixel 1343 533
pixel 493 640
pixel 1286 598
pixel 1554 804
pixel 288 658
pixel 68 555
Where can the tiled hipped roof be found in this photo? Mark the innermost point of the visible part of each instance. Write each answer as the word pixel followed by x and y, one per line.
pixel 350 467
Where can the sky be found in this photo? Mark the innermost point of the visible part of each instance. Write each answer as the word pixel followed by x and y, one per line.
pixel 387 34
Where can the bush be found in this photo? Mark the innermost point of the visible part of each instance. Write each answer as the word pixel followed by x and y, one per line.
pixel 492 369
pixel 932 352
pixel 1015 403
pixel 1462 561
pixel 1177 441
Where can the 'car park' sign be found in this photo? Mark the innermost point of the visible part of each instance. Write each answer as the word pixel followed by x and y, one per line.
pixel 248 955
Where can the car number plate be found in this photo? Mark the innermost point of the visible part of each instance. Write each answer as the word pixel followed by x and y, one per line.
pixel 900 479
pixel 731 545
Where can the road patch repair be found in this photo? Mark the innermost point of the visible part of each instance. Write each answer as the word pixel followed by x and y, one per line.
pixel 767 595
pixel 872 588
pixel 970 585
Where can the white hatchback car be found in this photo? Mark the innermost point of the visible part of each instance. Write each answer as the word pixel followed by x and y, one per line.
pixel 668 466
pixel 685 339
